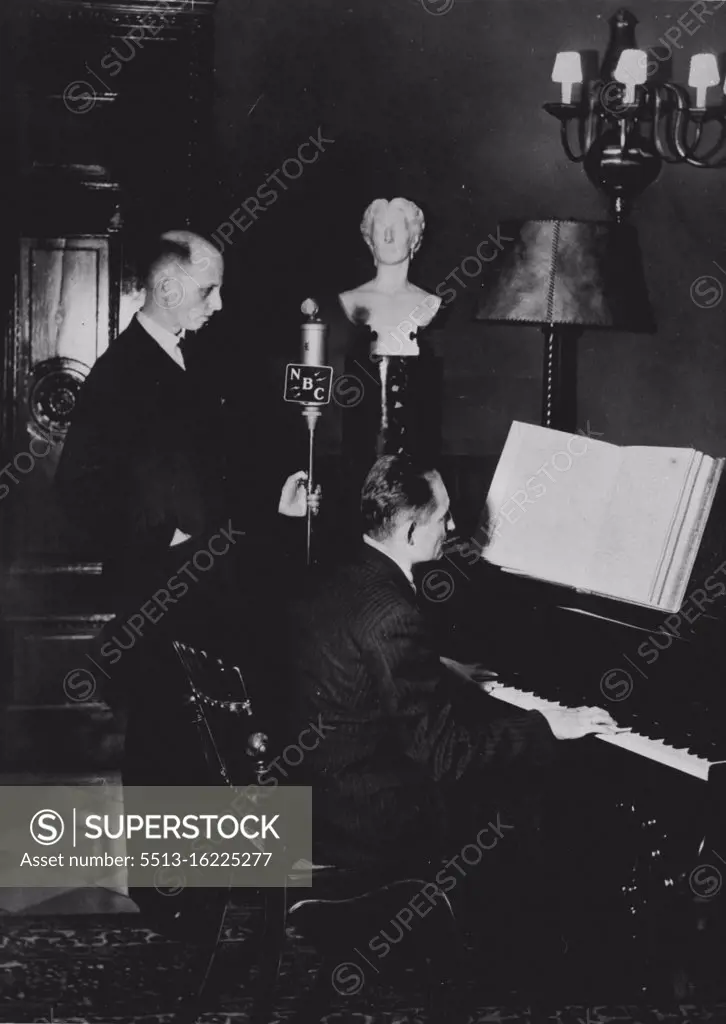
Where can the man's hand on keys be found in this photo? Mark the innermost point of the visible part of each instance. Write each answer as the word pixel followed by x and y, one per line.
pixel 573 723
pixel 470 673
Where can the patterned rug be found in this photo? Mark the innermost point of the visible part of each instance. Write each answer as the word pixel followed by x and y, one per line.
pixel 109 968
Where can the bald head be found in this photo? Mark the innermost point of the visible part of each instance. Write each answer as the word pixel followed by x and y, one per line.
pixel 183 281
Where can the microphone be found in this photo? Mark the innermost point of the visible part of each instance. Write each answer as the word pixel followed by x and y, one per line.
pixel 312 341
pixel 313 335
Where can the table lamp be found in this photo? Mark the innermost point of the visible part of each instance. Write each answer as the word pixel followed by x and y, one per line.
pixel 566 276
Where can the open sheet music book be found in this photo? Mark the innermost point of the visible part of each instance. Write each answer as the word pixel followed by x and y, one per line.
pixel 624 523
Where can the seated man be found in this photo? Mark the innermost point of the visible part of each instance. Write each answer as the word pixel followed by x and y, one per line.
pixel 404 743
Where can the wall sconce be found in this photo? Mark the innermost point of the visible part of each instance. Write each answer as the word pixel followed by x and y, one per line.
pixel 628 123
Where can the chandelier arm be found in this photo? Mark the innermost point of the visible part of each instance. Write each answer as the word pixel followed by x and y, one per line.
pixel 664 152
pixel 691 157
pixel 648 116
pixel 583 133
pixel 686 152
pixel 566 144
pixel 681 121
pixel 706 161
pixel 592 123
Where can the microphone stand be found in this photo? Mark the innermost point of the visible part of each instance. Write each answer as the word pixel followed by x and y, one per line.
pixel 313 338
pixel 311 414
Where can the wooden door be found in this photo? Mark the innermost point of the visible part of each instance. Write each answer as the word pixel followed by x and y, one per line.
pixel 54 715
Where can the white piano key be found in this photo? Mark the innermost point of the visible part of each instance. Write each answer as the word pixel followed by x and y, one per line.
pixel 655 750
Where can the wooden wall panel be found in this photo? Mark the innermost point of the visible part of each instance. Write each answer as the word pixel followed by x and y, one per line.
pixel 108 125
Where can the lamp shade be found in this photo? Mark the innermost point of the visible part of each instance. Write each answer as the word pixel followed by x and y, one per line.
pixel 568 272
pixel 568 68
pixel 703 71
pixel 632 67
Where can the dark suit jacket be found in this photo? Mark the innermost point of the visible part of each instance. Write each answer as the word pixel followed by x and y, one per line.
pixel 143 457
pixel 403 738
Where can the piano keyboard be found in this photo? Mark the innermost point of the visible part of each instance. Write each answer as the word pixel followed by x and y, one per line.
pixel 656 750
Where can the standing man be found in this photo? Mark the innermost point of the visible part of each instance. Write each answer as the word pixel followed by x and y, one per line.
pixel 144 474
pixel 143 467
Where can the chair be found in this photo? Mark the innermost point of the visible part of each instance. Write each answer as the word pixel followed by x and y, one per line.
pixel 221 710
pixel 211 703
pixel 341 902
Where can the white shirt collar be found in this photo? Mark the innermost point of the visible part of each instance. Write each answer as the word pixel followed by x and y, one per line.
pixel 165 339
pixel 379 547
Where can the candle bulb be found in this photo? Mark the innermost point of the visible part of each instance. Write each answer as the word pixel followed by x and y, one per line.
pixel 702 74
pixel 567 72
pixel 631 71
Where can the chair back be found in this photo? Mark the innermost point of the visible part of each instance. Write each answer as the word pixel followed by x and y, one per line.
pixel 232 751
pixel 234 743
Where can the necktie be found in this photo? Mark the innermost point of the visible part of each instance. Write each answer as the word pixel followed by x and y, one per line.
pixel 181 347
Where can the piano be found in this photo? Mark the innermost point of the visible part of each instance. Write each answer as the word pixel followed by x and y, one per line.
pixel 682 759
pixel 661 785
pixel 553 647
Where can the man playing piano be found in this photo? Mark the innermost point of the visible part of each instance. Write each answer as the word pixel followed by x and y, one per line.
pixel 415 760
pixel 410 740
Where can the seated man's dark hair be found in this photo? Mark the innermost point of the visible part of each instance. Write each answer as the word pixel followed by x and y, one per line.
pixel 396 484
